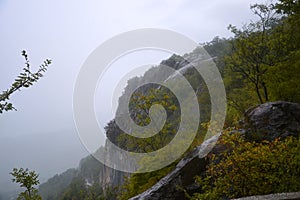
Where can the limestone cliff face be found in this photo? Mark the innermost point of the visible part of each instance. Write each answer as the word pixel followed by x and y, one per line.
pixel 93 171
pixel 90 171
pixel 111 176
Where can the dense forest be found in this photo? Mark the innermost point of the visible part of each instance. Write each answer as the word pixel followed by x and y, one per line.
pixel 261 63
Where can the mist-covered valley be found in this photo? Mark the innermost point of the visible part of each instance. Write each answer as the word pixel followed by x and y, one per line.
pixel 149 100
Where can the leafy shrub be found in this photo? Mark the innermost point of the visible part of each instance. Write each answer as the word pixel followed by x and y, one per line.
pixel 251 168
pixel 140 182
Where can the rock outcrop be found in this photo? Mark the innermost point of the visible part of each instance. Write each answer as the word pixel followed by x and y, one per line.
pixel 264 122
pixel 182 176
pixel 272 120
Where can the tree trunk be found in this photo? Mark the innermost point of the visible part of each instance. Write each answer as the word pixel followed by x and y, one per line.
pixel 258 94
pixel 265 91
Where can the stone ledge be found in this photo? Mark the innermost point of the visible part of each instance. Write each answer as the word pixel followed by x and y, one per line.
pixel 279 196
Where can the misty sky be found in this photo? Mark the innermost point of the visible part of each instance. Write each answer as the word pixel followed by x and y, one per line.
pixel 41 135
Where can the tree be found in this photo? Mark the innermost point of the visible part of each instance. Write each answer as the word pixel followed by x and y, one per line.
pixel 252 54
pixel 289 7
pixel 286 72
pixel 263 63
pixel 27 179
pixel 24 80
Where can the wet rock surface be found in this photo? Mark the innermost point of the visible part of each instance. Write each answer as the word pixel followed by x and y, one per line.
pixel 281 196
pixel 272 120
pixel 170 187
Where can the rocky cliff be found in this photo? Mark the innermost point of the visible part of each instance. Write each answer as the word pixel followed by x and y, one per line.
pixel 89 172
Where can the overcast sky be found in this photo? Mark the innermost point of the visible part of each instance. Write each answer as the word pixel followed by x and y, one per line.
pixel 67 32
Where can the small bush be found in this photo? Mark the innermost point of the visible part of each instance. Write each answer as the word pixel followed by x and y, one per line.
pixel 251 168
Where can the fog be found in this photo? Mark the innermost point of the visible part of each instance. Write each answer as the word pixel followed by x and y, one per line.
pixel 41 134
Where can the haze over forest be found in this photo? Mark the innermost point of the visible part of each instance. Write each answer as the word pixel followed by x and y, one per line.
pixel 41 134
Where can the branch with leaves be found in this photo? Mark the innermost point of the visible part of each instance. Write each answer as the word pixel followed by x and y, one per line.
pixel 24 80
